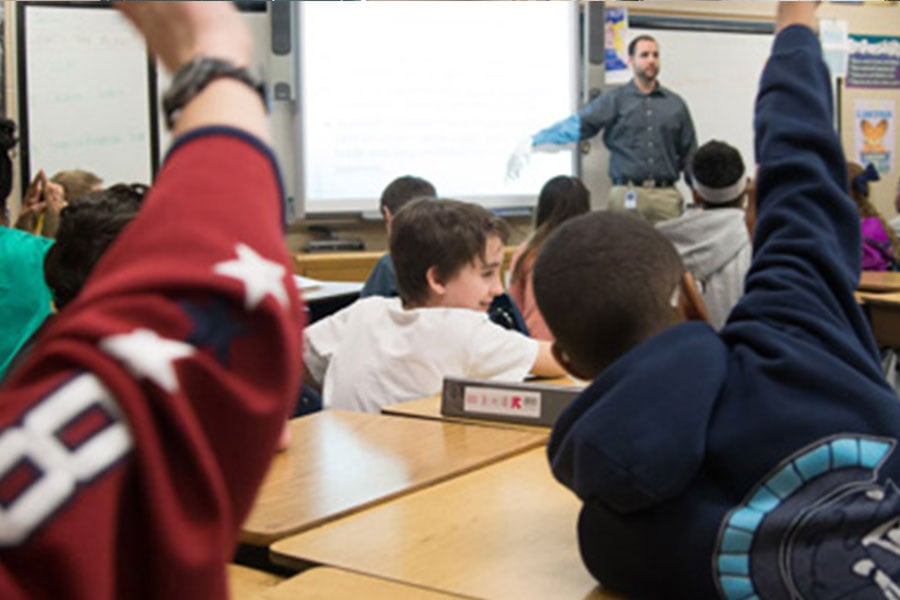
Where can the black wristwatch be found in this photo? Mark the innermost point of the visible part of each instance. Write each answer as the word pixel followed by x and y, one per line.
pixel 193 76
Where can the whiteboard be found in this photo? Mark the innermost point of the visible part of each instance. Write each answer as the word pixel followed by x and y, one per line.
pixel 440 90
pixel 85 97
pixel 717 74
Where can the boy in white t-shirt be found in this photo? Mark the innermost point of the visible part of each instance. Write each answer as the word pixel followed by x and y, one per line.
pixel 378 351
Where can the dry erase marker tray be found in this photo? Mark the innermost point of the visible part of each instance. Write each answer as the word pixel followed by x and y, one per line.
pixel 525 403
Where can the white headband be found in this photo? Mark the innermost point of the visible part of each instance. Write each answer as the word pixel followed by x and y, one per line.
pixel 721 195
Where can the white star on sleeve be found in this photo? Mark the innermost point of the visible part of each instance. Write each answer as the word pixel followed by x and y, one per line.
pixel 260 277
pixel 146 355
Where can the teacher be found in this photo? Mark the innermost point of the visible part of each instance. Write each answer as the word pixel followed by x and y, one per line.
pixel 647 129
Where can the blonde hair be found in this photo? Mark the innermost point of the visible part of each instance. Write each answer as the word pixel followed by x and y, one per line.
pixel 76 183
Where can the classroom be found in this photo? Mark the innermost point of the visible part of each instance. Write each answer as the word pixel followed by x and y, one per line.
pixel 507 478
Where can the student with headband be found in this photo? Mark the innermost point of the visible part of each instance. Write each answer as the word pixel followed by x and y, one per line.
pixel 712 239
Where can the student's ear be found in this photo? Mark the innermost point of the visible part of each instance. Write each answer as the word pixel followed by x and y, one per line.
pixel 696 197
pixel 690 301
pixel 563 358
pixel 435 284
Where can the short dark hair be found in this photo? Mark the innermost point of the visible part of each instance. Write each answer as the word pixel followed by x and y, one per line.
pixel 404 189
pixel 87 227
pixel 631 272
pixel 632 46
pixel 445 234
pixel 716 165
pixel 561 198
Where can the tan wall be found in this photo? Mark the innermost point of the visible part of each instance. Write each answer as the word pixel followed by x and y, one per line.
pixel 868 18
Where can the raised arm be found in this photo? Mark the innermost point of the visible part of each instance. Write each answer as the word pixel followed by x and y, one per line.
pixel 153 403
pixel 178 34
pixel 582 125
pixel 806 241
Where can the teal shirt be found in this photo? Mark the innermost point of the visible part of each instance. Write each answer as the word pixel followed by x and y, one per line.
pixel 24 296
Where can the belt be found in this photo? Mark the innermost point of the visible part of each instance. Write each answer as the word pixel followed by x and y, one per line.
pixel 647 183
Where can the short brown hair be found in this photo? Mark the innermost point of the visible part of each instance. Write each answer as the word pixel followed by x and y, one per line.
pixel 445 234
pixel 632 47
pixel 604 282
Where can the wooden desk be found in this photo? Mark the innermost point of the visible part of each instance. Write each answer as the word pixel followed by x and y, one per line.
pixel 884 315
pixel 329 583
pixel 336 266
pixel 504 531
pixel 430 408
pixel 880 281
pixel 350 266
pixel 340 462
pixel 245 583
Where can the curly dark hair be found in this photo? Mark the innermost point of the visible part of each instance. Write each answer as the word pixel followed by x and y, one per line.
pixel 87 227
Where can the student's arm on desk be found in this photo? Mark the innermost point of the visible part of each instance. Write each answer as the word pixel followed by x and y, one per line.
pixel 545 365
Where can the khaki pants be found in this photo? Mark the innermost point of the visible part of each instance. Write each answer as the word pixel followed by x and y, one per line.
pixel 653 204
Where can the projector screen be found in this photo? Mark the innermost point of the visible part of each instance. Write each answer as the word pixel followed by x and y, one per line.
pixel 84 93
pixel 440 90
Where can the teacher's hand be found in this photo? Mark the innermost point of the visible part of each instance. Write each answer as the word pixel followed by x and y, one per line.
pixel 518 160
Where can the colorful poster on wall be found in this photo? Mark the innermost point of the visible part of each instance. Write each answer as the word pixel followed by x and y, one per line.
pixel 616 21
pixel 874 133
pixel 874 62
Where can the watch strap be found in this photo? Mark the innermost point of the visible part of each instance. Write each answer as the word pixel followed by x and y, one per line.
pixel 192 78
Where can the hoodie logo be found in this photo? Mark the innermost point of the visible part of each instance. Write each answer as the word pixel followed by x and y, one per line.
pixel 818 526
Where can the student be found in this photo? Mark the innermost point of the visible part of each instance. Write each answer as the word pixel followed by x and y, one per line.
pixel 45 199
pixel 383 282
pixel 712 239
pixel 24 297
pixel 561 198
pixel 880 246
pixel 379 351
pixel 647 129
pixel 87 228
pixel 135 435
pixel 398 193
pixel 758 462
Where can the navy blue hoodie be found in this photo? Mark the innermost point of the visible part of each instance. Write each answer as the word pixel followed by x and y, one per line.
pixel 760 461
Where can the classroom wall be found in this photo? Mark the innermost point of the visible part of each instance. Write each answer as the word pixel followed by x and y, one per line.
pixel 871 18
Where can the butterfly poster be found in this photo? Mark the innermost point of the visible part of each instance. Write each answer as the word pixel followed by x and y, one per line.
pixel 874 133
